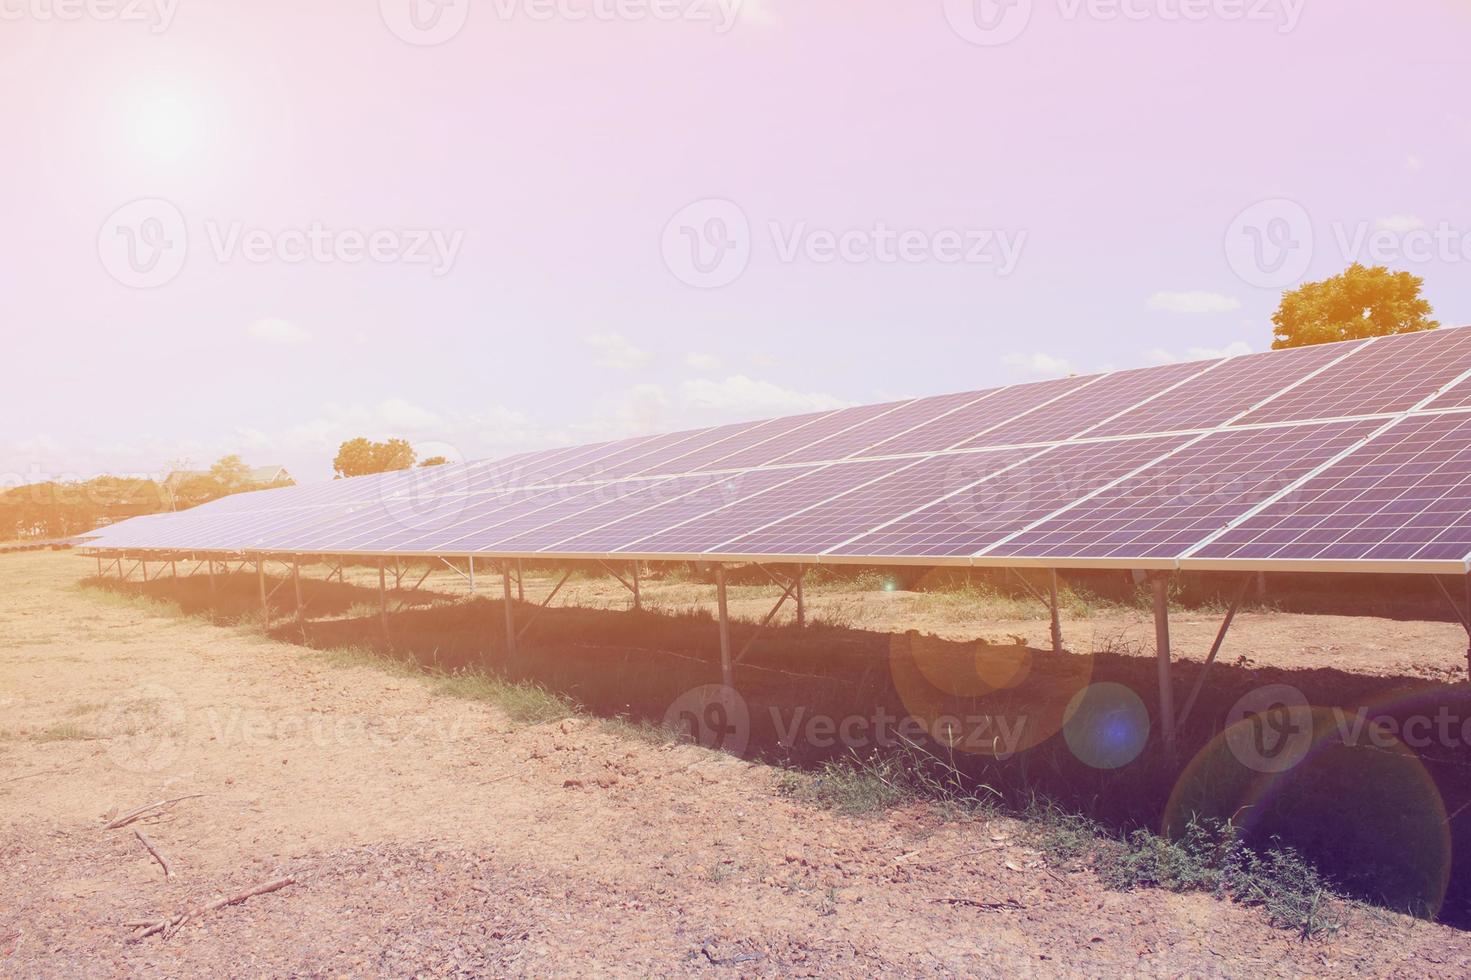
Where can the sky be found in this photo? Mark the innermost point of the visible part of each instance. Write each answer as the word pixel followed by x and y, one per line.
pixel 489 226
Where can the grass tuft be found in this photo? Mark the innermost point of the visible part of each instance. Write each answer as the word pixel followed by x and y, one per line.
pixel 1210 856
pixel 522 702
pixel 66 731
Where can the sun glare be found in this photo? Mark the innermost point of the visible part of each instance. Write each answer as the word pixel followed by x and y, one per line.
pixel 165 126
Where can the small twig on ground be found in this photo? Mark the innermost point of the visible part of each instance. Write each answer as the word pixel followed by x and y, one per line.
pixel 174 923
pixel 163 862
pixel 1009 903
pixel 31 775
pixel 730 960
pixel 132 815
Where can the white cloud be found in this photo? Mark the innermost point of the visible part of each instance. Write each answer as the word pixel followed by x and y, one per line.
pixel 739 396
pixel 617 351
pixel 399 413
pixel 273 330
pixel 1399 223
pixel 702 362
pixel 1159 355
pixel 1193 302
pixel 1413 163
pixel 1040 364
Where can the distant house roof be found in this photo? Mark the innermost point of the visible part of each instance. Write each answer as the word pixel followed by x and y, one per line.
pixel 258 474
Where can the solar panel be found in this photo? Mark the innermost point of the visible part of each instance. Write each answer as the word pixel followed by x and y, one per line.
pixel 976 418
pixel 1356 453
pixel 1195 491
pixel 591 508
pixel 703 533
pixel 708 456
pixel 1081 409
pixel 902 419
pixel 1001 500
pixel 631 525
pixel 1228 390
pixel 1389 374
pixel 1406 495
pixel 858 508
pixel 694 439
pixel 779 447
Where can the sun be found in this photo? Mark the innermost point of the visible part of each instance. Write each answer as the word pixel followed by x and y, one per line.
pixel 165 126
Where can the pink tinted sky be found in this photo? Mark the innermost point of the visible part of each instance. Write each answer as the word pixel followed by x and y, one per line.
pixel 1114 155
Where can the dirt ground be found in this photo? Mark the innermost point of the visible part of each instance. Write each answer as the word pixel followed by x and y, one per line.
pixel 432 836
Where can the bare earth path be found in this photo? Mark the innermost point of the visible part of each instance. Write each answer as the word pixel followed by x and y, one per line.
pixel 430 835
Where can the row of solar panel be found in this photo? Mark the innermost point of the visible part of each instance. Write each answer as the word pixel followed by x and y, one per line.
pixel 1385 376
pixel 1308 492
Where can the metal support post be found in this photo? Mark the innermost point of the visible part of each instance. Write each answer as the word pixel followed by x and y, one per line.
pixel 296 584
pixel 510 609
pixel 638 601
pixel 383 598
pixel 727 670
pixel 801 602
pixel 265 603
pixel 1162 653
pixel 1056 619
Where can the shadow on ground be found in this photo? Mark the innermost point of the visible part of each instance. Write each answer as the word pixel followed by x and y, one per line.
pixel 1019 725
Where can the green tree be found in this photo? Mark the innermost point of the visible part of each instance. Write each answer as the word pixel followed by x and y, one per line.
pixel 434 461
pixel 359 457
pixel 230 473
pixel 1357 303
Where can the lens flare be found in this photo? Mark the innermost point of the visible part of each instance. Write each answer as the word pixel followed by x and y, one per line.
pixel 1373 801
pixel 1106 726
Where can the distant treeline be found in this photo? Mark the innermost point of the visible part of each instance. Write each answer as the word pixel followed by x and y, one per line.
pixel 59 509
